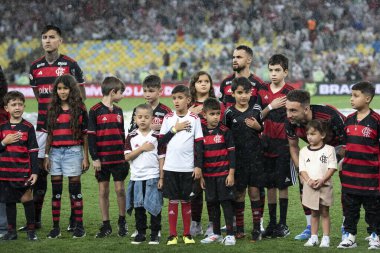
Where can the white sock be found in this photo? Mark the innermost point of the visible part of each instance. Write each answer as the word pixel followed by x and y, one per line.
pixel 314 238
pixel 308 220
pixel 326 237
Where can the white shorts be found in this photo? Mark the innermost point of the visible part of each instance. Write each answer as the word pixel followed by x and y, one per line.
pixel 41 140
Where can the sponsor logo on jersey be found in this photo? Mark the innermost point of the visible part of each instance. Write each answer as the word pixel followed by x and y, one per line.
pixel 62 63
pixel 40 65
pixel 45 89
pixel 60 71
pixel 366 132
pixel 104 118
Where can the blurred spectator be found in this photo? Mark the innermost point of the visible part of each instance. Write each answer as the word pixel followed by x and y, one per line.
pixel 330 76
pixel 166 58
pixel 352 74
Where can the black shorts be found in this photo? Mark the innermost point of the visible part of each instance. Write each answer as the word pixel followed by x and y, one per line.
pixel 118 173
pixel 216 189
pixel 249 174
pixel 278 172
pixel 178 185
pixel 11 192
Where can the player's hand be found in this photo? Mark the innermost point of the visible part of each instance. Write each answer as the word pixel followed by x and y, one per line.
pixel 203 183
pixel 32 180
pixel 46 164
pixel 252 123
pixel 160 183
pixel 318 184
pixel 85 165
pixel 147 146
pixel 230 180
pixel 12 138
pixel 179 126
pixel 197 173
pixel 97 165
pixel 278 102
pixel 196 109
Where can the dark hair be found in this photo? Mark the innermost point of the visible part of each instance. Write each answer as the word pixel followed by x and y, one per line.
pixel 279 59
pixel 52 27
pixel 181 88
pixel 74 101
pixel 144 107
pixel 194 79
pixel 365 87
pixel 243 82
pixel 112 83
pixel 247 49
pixel 211 104
pixel 13 95
pixel 300 96
pixel 152 81
pixel 321 126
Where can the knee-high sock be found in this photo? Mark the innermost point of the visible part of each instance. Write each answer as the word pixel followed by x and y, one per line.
pixel 77 201
pixel 56 201
pixel 196 207
pixel 186 216
pixel 283 210
pixel 228 216
pixel 239 213
pixel 30 214
pixel 173 216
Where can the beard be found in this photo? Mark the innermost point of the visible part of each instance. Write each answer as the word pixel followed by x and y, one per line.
pixel 238 68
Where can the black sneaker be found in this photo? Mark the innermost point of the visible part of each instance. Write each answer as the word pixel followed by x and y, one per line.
pixel 104 231
pixel 54 233
pixel 256 235
pixel 31 234
pixel 71 226
pixel 123 228
pixel 37 225
pixel 10 235
pixel 154 239
pixel 268 233
pixel 281 231
pixel 79 232
pixel 139 239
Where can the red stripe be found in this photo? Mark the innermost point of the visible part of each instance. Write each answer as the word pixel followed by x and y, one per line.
pixel 360 187
pixel 109 143
pixel 359 175
pixel 216 164
pixel 217 174
pixel 360 162
pixel 43 100
pixel 12 179
pixel 62 132
pixel 114 162
pixel 357 130
pixel 213 153
pixel 361 148
pixel 199 139
pixel 107 132
pixel 78 211
pixel 14 169
pixel 111 153
pixel 17 149
pixel 65 143
pixel 56 211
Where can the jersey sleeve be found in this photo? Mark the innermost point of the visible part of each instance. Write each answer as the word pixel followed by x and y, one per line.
pixel 132 124
pixel 84 126
pixel 33 150
pixel 230 148
pixel 92 135
pixel 332 163
pixel 128 146
pixel 78 73
pixel 227 119
pixel 198 133
pixel 32 80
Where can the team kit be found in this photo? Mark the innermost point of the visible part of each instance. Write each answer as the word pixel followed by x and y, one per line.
pixel 206 150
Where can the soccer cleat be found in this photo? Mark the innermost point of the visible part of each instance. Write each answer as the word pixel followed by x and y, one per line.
pixel 154 240
pixel 348 243
pixel 123 228
pixel 139 238
pixel 104 231
pixel 133 235
pixel 71 226
pixel 172 240
pixel 304 235
pixel 212 238
pixel 281 230
pixel 268 232
pixel 25 228
pixel 54 233
pixel 31 235
pixel 325 242
pixel 374 242
pixel 229 240
pixel 239 235
pixel 209 230
pixel 256 235
pixel 188 239
pixel 311 242
pixel 9 236
pixel 79 232
pixel 196 228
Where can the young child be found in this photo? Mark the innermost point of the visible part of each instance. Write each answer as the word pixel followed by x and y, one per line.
pixel 66 151
pixel 218 172
pixel 18 160
pixel 245 124
pixel 317 163
pixel 106 137
pixel 146 175
pixel 181 134
pixel 360 168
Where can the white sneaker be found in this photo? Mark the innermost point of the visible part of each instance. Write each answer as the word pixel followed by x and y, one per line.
pixel 374 242
pixel 311 242
pixel 325 242
pixel 133 235
pixel 196 228
pixel 209 230
pixel 229 240
pixel 212 238
pixel 348 243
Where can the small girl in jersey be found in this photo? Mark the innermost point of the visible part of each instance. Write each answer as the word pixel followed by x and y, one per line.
pixel 317 163
pixel 66 152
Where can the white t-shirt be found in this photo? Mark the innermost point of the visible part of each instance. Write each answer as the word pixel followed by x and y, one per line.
pixel 317 162
pixel 146 165
pixel 180 149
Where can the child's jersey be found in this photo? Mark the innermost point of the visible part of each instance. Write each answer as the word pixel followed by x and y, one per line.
pixel 106 135
pixel 158 116
pixel 180 153
pixel 361 165
pixel 18 160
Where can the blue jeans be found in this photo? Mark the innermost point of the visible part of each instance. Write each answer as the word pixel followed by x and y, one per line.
pixel 3 219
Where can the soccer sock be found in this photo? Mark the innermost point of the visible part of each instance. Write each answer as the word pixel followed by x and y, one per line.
pixel 76 198
pixel 106 223
pixel 39 192
pixel 11 216
pixel 262 201
pixel 56 185
pixel 196 207
pixel 256 214
pixel 228 216
pixel 121 220
pixel 283 210
pixel 29 214
pixel 186 216
pixel 173 216
pixel 308 220
pixel 215 213
pixel 272 213
pixel 239 213
pixel 209 206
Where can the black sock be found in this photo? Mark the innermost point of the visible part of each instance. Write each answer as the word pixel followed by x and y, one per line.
pixel 272 213
pixel 256 214
pixel 106 223
pixel 29 214
pixel 215 216
pixel 121 219
pixel 11 216
pixel 283 210
pixel 56 201
pixel 228 216
pixel 77 200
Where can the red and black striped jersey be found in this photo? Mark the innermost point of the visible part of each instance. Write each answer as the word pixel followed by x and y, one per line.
pixel 203 120
pixel 361 165
pixel 42 76
pixel 226 93
pixel 18 160
pixel 274 136
pixel 326 113
pixel 106 135
pixel 218 151
pixel 62 135
pixel 158 116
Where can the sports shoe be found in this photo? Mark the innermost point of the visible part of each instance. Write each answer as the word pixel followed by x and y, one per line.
pixel 239 235
pixel 133 235
pixel 123 228
pixel 229 240
pixel 188 239
pixel 31 235
pixel 209 230
pixel 104 231
pixel 79 232
pixel 325 242
pixel 172 240
pixel 154 239
pixel 196 228
pixel 374 242
pixel 256 235
pixel 37 225
pixel 268 232
pixel 212 238
pixel 281 230
pixel 9 236
pixel 348 243
pixel 54 233
pixel 139 238
pixel 304 235
pixel 311 242
pixel 71 226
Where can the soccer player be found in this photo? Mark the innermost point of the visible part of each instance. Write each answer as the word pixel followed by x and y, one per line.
pixel 360 168
pixel 299 113
pixel 43 73
pixel 276 157
pixel 106 137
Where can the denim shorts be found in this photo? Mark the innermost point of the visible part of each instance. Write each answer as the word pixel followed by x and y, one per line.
pixel 66 161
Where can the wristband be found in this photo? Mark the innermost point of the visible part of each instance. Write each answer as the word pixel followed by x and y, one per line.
pixel 3 144
pixel 270 107
pixel 46 156
pixel 173 130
